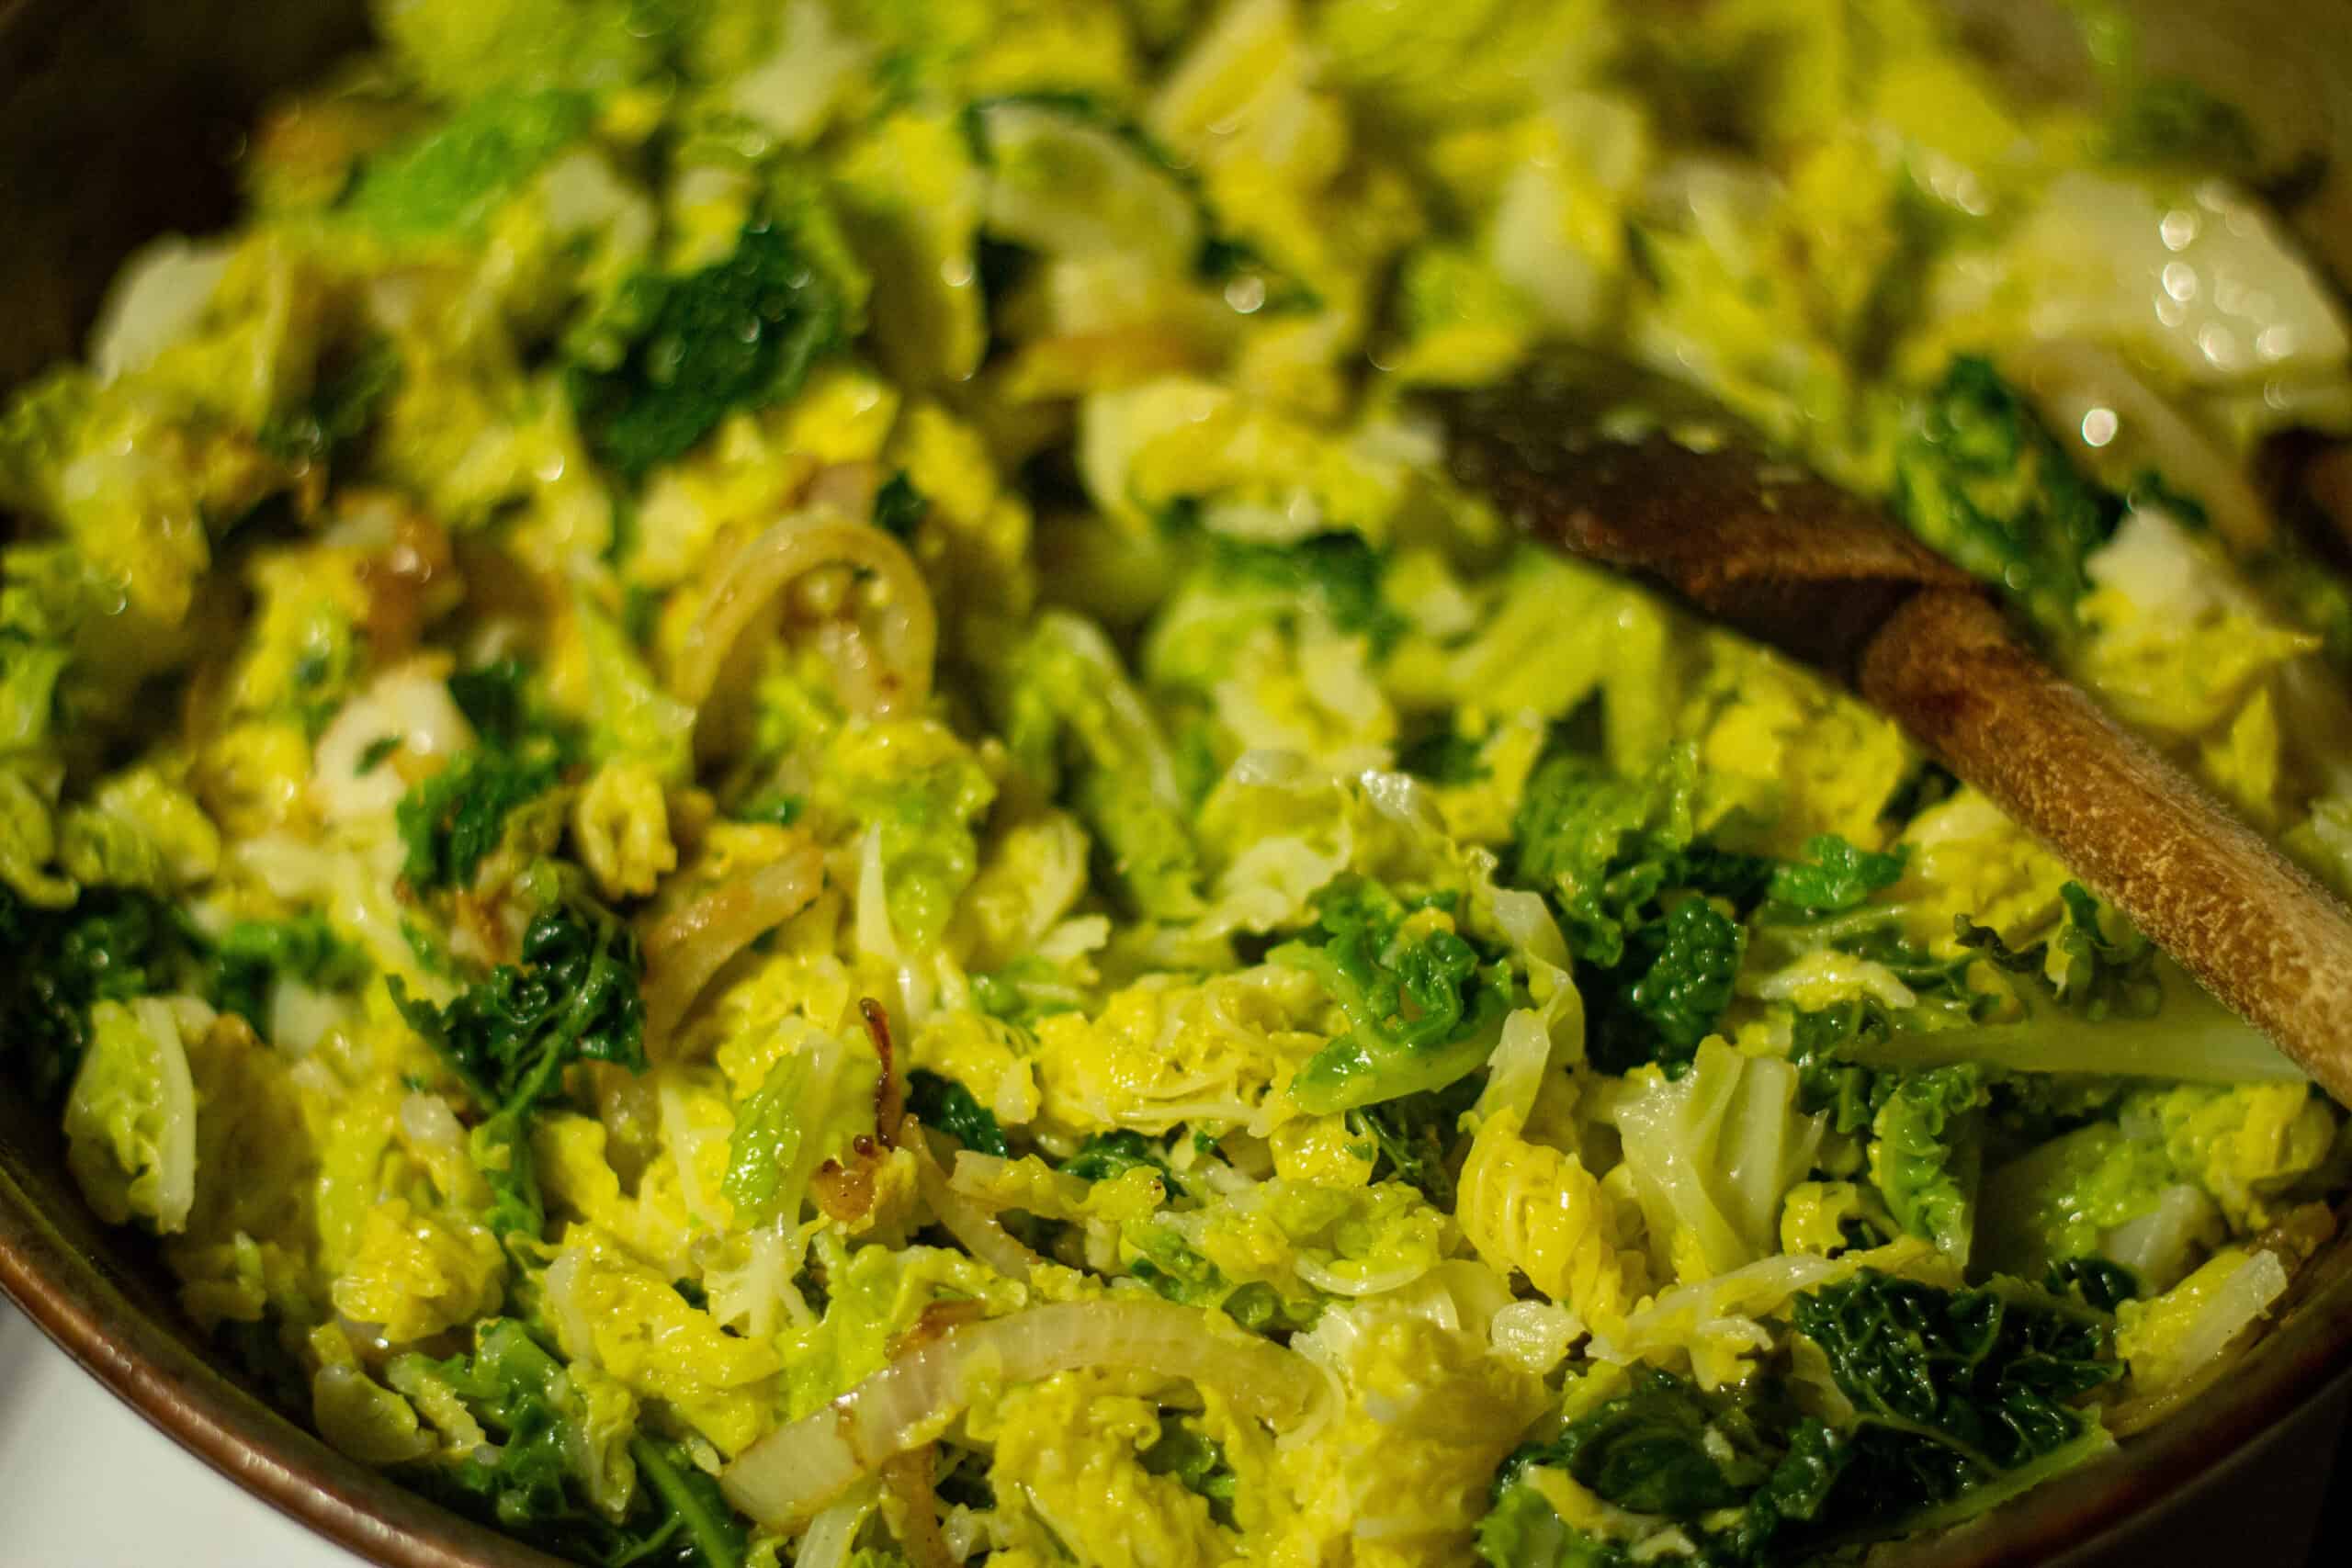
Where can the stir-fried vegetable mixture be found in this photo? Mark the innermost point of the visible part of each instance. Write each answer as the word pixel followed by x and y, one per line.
pixel 755 782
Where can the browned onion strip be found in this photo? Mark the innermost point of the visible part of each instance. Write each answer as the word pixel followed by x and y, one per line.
pixel 901 676
pixel 908 1478
pixel 683 951
pixel 844 1189
pixel 891 1092
pixel 977 1230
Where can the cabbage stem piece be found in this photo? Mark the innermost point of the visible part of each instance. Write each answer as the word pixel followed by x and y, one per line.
pixel 683 951
pixel 2191 1038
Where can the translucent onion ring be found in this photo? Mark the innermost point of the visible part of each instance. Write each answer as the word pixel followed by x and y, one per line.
pixel 973 1226
pixel 683 951
pixel 797 545
pixel 792 1473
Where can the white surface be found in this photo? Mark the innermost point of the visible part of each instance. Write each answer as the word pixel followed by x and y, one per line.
pixel 86 1483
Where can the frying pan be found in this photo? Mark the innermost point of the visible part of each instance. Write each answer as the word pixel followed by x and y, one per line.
pixel 120 120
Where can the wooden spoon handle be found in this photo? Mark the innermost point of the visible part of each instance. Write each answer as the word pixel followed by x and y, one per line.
pixel 1823 575
pixel 2251 926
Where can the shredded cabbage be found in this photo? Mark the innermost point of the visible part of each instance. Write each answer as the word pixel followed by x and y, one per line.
pixel 760 781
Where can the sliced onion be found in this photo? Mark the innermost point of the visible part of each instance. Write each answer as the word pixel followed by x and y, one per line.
pixel 890 1095
pixel 908 1478
pixel 683 951
pixel 2068 380
pixel 790 1473
pixel 979 1231
pixel 844 1188
pixel 1335 1281
pixel 899 679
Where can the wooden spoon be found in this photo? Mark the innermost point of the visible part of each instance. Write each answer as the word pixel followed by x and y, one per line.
pixel 1764 546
